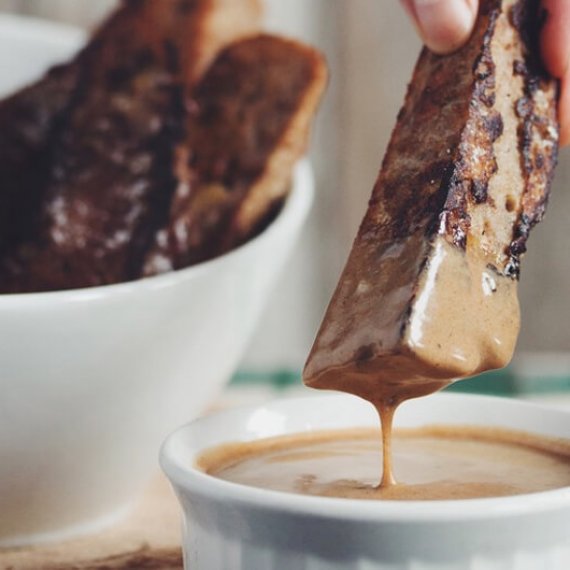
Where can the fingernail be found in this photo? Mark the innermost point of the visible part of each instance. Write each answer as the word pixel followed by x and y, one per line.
pixel 445 24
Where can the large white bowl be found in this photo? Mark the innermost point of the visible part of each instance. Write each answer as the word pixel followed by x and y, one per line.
pixel 91 381
pixel 233 527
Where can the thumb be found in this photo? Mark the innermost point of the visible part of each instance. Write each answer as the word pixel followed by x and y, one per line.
pixel 444 25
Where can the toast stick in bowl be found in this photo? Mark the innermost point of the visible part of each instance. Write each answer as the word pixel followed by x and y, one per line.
pixel 252 115
pixel 106 161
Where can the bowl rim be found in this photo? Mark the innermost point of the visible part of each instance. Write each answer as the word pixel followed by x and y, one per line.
pixel 296 206
pixel 209 488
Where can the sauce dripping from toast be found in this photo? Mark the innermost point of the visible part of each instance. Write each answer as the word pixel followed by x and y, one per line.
pixel 465 320
pixel 429 291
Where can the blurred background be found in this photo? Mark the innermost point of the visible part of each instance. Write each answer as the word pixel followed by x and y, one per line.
pixel 371 49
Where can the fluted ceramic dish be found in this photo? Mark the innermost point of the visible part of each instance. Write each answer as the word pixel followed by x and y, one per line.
pixel 234 527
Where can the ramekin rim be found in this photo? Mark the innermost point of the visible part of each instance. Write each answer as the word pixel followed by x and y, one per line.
pixel 210 488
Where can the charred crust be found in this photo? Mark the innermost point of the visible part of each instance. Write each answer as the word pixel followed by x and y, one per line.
pixel 494 126
pixel 518 246
pixel 537 132
pixel 470 180
pixel 538 137
pixel 520 68
pixel 434 188
pixel 484 74
pixel 455 218
pixel 479 191
pixel 523 107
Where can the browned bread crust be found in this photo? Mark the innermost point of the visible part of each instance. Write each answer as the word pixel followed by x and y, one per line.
pixel 251 119
pixel 109 180
pixel 31 119
pixel 443 154
pixel 469 165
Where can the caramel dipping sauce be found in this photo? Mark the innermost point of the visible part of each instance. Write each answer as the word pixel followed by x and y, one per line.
pixel 431 463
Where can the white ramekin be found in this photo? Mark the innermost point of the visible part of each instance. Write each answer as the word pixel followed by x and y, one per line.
pixel 233 527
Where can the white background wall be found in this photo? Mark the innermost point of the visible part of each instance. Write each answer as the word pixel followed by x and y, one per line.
pixel 371 49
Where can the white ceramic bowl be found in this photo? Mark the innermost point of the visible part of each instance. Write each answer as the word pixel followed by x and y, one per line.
pixel 234 527
pixel 91 381
pixel 28 46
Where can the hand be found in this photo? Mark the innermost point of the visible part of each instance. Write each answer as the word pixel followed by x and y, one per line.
pixel 445 25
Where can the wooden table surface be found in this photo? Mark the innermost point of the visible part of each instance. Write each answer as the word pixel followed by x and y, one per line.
pixel 148 540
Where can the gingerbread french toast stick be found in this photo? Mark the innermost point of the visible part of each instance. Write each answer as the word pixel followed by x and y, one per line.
pixel 429 292
pixel 31 118
pixel 253 111
pixel 110 178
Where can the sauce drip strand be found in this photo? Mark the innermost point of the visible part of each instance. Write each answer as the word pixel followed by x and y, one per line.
pixel 465 320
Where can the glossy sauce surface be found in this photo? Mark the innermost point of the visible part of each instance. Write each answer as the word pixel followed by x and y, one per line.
pixel 432 463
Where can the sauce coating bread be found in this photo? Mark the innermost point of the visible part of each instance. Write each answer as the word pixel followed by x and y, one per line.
pixel 429 290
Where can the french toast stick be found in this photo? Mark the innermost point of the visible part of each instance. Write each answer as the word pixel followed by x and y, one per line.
pixel 429 292
pixel 29 122
pixel 110 177
pixel 253 111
